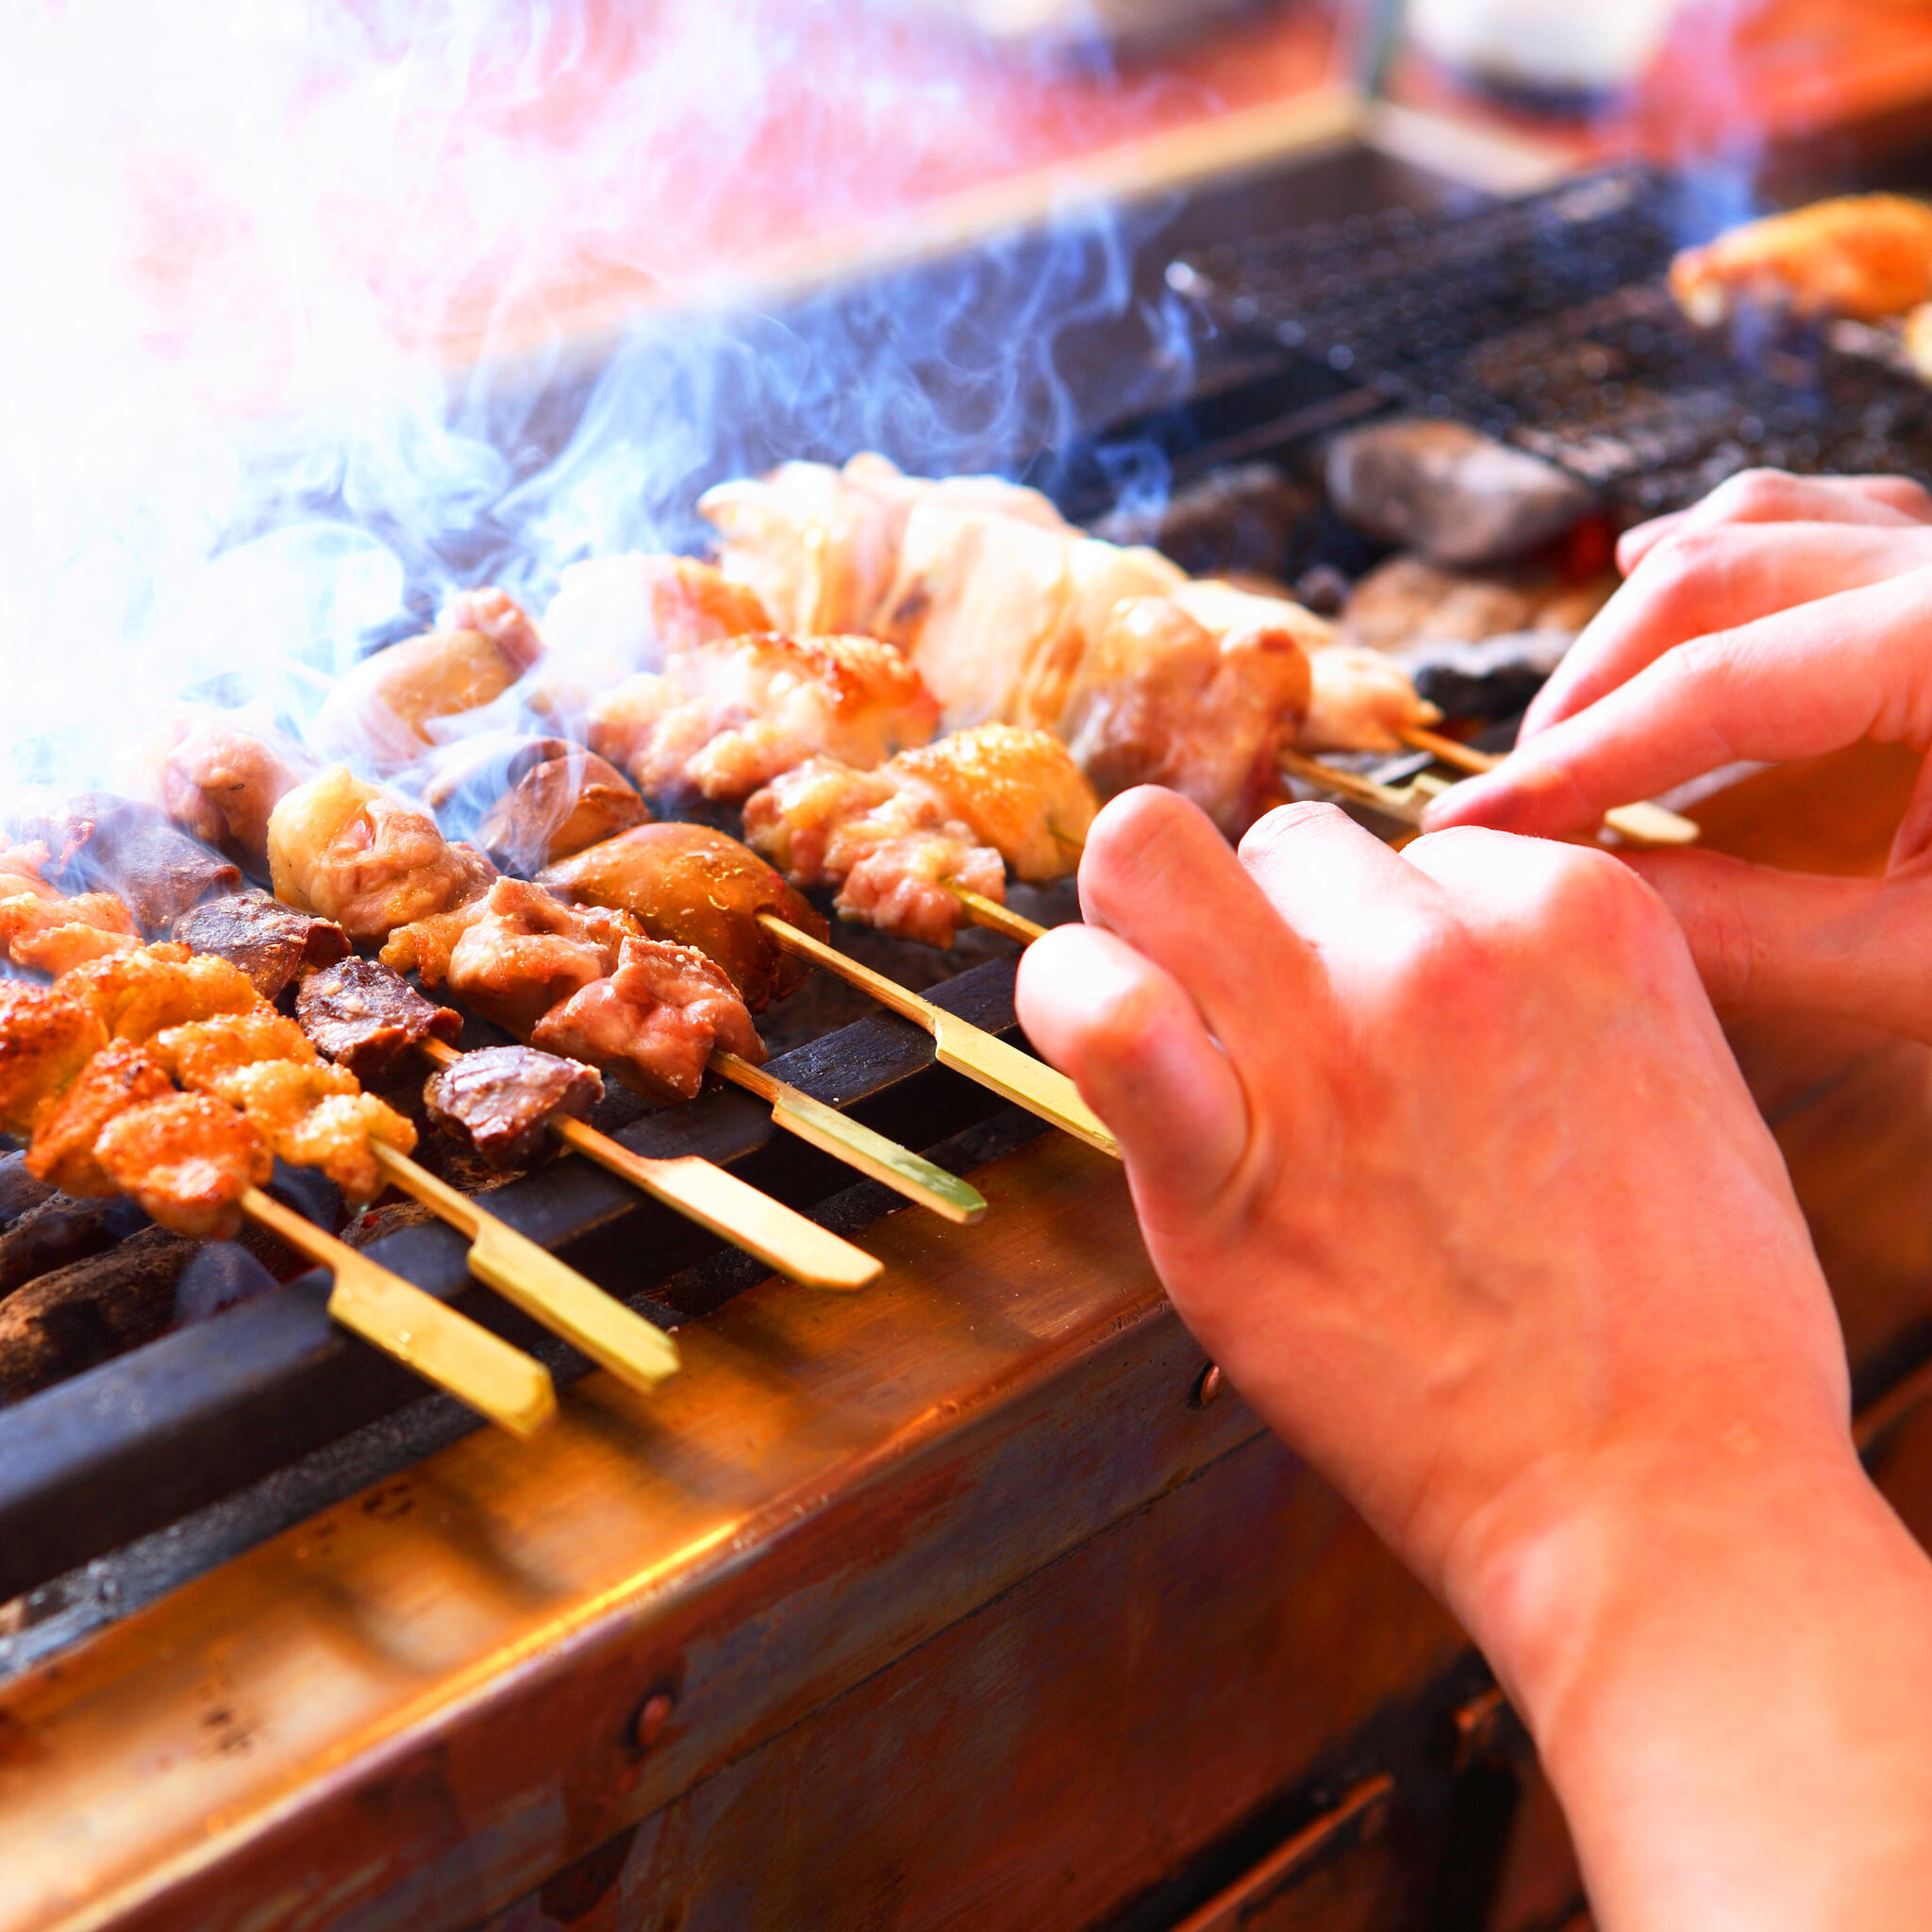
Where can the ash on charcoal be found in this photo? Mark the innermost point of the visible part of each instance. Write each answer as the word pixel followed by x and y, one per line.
pixel 79 1315
pixel 60 1229
pixel 18 1190
pixel 1492 678
pixel 1455 497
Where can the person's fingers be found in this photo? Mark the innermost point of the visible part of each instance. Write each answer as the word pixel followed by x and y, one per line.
pixel 1157 873
pixel 1701 581
pixel 1775 497
pixel 1772 940
pixel 1135 1045
pixel 1913 839
pixel 1336 884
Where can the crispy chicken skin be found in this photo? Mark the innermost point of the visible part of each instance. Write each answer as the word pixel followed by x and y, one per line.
pixel 365 1016
pixel 46 932
pixel 502 1099
pixel 385 710
pixel 200 1052
pixel 653 1022
pixel 528 800
pixel 120 1076
pixel 1862 256
pixel 187 1159
pixel 1019 790
pixel 269 942
pixel 46 1038
pixel 368 860
pixel 699 888
pixel 111 844
pixel 616 615
pixel 136 995
pixel 728 715
pixel 218 780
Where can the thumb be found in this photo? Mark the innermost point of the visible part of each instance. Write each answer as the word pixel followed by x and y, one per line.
pixel 1767 941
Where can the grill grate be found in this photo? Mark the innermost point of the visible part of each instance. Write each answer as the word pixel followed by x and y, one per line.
pixel 1545 323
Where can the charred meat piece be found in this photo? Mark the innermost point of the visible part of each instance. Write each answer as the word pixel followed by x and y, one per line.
pixel 503 1099
pixel 696 886
pixel 120 1076
pixel 109 844
pixel 369 860
pixel 134 995
pixel 269 942
pixel 187 1159
pixel 218 780
pixel 526 801
pixel 46 1038
pixel 366 1016
pixel 654 1022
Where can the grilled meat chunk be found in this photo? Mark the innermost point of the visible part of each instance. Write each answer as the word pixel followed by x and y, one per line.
pixel 654 1021
pixel 187 1159
pixel 120 1076
pixel 1863 256
pixel 218 779
pixel 365 1016
pixel 727 715
pixel 695 886
pixel 201 1051
pixel 109 844
pixel 370 862
pixel 1019 790
pixel 134 995
pixel 526 801
pixel 48 932
pixel 269 942
pixel 502 1100
pixel 46 1037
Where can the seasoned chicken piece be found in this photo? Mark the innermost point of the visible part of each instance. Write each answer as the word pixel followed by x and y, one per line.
pixel 820 546
pixel 1019 790
pixel 354 853
pixel 269 942
pixel 527 951
pixel 134 995
pixel 365 1016
pixel 526 801
pixel 615 615
pixel 728 716
pixel 502 1100
pixel 386 710
pixel 886 839
pixel 316 1115
pixel 218 780
pixel 424 945
pixel 1862 256
pixel 46 1038
pixel 1160 700
pixel 187 1159
pixel 654 1022
pixel 120 1076
pixel 49 934
pixel 109 844
pixel 696 887
pixel 199 1052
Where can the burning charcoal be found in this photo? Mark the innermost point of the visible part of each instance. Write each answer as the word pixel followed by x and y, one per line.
pixel 102 843
pixel 59 1230
pixel 1236 517
pixel 1493 678
pixel 18 1190
pixel 501 1099
pixel 218 1275
pixel 1454 495
pixel 269 942
pixel 366 1016
pixel 80 1315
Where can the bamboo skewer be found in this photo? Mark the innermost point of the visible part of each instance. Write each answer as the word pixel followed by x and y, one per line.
pixel 964 1047
pixel 636 1352
pixel 413 1327
pixel 825 1127
pixel 729 1207
pixel 995 917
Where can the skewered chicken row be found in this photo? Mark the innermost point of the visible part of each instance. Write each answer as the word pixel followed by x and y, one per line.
pixel 46 931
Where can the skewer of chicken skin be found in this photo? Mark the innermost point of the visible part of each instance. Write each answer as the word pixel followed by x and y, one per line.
pixel 106 1117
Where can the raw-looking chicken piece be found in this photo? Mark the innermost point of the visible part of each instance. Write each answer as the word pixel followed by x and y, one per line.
pixel 365 1016
pixel 820 545
pixel 47 932
pixel 46 1038
pixel 187 1159
pixel 502 1099
pixel 887 840
pixel 728 716
pixel 1861 256
pixel 698 888
pixel 385 710
pixel 269 942
pixel 526 801
pixel 120 1076
pixel 136 995
pixel 654 1022
pixel 615 615
pixel 1019 790
pixel 366 860
pixel 218 779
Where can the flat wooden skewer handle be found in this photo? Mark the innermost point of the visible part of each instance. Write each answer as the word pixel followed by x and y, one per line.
pixel 636 1351
pixel 413 1327
pixel 995 917
pixel 729 1207
pixel 857 1145
pixel 964 1047
pixel 1643 823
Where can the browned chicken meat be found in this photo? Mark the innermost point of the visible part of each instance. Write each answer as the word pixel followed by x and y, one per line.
pixel 367 859
pixel 526 801
pixel 102 843
pixel 1862 256
pixel 365 1016
pixel 502 1100
pixel 699 888
pixel 46 1038
pixel 728 715
pixel 120 1076
pixel 219 779
pixel 269 942
pixel 654 1022
pixel 187 1159
pixel 134 995
pixel 385 712
pixel 47 932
